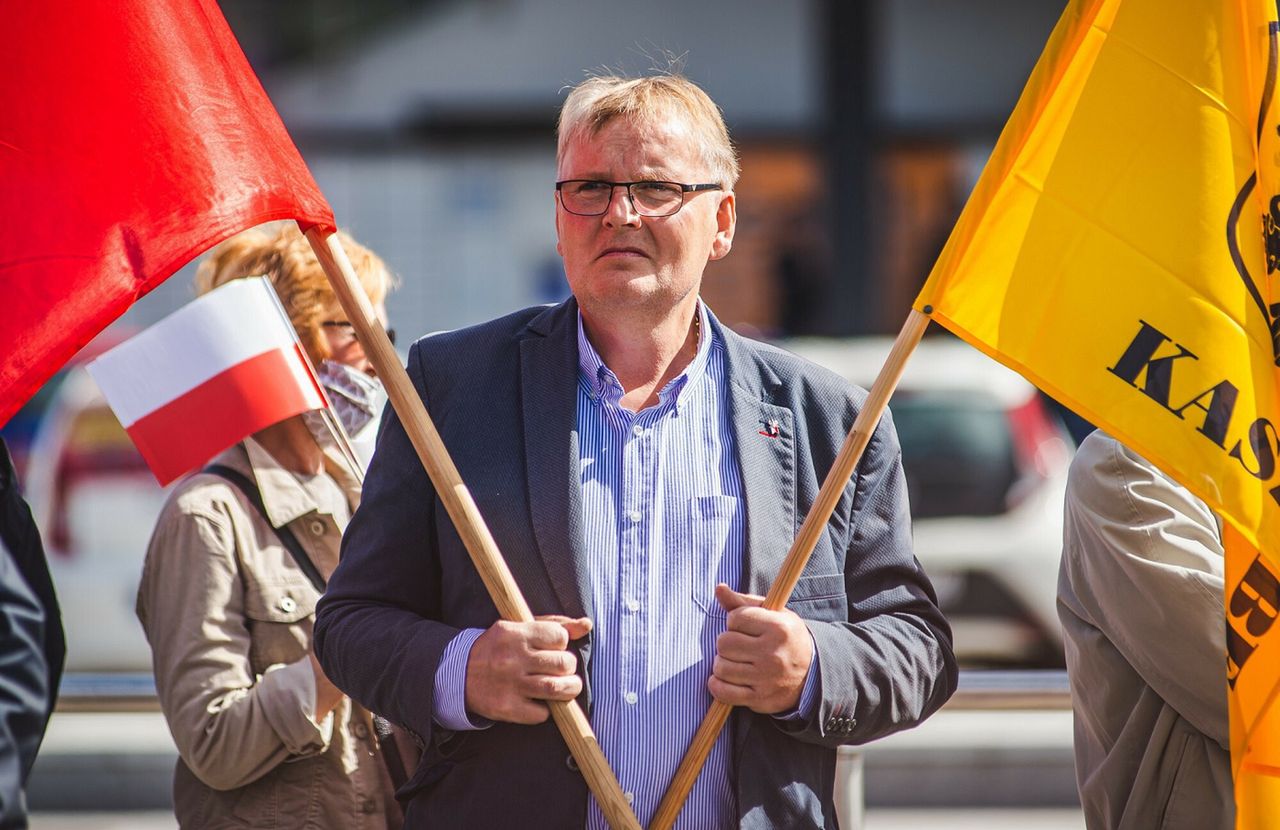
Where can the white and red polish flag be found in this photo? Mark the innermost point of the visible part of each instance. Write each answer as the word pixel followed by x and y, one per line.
pixel 216 370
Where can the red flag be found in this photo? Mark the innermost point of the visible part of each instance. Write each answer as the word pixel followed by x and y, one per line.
pixel 134 136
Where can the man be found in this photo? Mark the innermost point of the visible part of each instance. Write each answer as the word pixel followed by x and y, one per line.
pixel 644 471
pixel 1140 596
pixel 32 646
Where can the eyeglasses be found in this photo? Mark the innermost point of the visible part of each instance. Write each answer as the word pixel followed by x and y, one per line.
pixel 589 197
pixel 346 326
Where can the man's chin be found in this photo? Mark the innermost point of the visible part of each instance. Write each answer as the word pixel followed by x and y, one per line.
pixel 617 285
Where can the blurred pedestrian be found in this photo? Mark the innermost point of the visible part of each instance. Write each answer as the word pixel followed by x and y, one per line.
pixel 1140 597
pixel 32 645
pixel 235 565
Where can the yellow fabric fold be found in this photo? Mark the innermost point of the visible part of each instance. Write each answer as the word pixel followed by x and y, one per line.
pixel 1120 251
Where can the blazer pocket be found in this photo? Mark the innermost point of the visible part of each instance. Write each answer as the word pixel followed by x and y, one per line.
pixel 431 769
pixel 820 597
pixel 709 532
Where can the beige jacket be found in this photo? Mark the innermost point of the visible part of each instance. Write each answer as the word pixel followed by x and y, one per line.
pixel 1140 597
pixel 229 618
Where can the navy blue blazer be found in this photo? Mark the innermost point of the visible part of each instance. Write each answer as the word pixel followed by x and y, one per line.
pixel 503 396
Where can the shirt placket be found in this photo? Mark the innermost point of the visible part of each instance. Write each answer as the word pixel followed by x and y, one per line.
pixel 638 473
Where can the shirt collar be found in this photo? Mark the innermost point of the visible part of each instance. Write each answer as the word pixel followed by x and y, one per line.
pixel 283 496
pixel 601 383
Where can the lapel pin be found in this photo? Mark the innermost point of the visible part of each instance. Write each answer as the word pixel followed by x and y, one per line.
pixel 771 429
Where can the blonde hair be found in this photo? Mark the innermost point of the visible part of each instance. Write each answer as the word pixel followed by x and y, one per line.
pixel 283 255
pixel 598 100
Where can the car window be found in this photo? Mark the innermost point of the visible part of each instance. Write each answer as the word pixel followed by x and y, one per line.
pixel 957 453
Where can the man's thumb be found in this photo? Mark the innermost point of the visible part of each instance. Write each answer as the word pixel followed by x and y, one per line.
pixel 730 599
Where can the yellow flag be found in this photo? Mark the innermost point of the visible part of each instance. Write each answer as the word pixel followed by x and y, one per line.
pixel 1120 250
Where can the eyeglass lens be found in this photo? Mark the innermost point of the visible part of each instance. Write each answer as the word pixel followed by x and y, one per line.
pixel 346 326
pixel 648 198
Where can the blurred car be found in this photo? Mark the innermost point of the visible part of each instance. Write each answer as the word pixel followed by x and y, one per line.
pixel 986 464
pixel 95 503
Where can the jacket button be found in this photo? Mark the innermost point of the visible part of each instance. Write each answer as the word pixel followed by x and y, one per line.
pixel 571 763
pixel 317 527
pixel 288 605
pixel 361 730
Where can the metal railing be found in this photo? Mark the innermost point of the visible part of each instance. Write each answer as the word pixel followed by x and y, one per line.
pixel 978 690
pixel 107 692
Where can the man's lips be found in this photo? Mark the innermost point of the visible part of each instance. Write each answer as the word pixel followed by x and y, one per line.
pixel 621 251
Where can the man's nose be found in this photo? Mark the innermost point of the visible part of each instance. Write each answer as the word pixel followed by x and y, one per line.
pixel 621 211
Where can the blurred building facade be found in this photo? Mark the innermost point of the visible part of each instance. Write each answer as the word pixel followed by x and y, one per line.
pixel 862 126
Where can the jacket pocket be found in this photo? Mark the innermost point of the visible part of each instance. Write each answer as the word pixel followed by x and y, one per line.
pixel 820 597
pixel 711 520
pixel 279 614
pixel 257 804
pixel 1196 799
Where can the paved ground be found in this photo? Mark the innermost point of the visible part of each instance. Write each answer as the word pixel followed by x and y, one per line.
pixel 945 819
pixel 961 770
pixel 964 819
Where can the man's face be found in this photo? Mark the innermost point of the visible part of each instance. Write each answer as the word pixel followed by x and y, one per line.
pixel 622 262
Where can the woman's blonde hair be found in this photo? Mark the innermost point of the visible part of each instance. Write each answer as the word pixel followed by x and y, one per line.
pixel 599 99
pixel 283 255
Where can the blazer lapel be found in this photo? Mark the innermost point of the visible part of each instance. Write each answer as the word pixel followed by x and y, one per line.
pixel 548 400
pixel 765 437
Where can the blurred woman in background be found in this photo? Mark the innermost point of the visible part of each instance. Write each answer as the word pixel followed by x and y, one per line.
pixel 233 571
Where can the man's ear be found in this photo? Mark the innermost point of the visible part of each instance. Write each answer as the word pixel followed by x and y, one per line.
pixel 726 222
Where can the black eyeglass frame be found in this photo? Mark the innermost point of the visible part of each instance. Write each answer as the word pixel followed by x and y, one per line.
pixel 685 189
pixel 351 329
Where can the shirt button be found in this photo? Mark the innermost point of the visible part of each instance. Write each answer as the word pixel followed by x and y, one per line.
pixel 636 429
pixel 317 528
pixel 368 806
pixel 630 797
pixel 634 516
pixel 633 605
pixel 361 730
pixel 631 697
pixel 288 605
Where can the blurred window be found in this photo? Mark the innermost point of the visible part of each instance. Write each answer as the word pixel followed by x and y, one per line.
pixel 957 452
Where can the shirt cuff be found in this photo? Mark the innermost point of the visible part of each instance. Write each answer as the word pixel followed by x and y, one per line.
pixel 808 704
pixel 449 705
pixel 288 696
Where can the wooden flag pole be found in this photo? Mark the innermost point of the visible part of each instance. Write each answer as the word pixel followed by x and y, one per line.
pixel 462 509
pixel 850 454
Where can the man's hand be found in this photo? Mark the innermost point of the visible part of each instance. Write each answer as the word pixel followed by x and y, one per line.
pixel 763 658
pixel 514 667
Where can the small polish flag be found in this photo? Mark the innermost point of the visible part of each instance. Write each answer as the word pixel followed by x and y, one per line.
pixel 216 370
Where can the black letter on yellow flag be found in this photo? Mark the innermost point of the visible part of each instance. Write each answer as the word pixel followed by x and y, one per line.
pixel 1217 415
pixel 1258 605
pixel 1140 355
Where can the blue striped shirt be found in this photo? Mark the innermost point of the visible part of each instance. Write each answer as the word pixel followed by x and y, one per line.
pixel 662 501
pixel 662 497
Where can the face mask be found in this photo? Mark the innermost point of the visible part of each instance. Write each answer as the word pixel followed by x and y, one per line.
pixel 357 398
